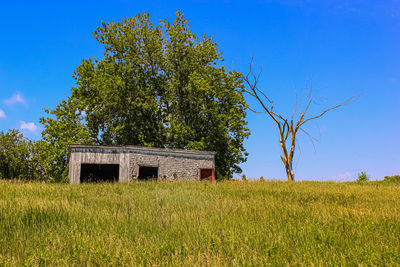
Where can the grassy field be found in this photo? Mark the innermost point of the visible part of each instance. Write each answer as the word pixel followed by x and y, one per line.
pixel 193 223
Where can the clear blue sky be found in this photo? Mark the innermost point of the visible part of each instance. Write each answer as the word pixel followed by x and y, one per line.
pixel 346 47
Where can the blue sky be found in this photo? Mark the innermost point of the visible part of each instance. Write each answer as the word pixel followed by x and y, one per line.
pixel 346 47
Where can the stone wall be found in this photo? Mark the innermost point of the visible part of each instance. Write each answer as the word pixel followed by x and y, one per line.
pixel 170 166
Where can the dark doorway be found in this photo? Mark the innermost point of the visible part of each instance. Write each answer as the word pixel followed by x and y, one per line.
pixel 207 174
pixel 148 173
pixel 97 173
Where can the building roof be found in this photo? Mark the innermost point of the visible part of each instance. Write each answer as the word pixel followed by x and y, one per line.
pixel 140 149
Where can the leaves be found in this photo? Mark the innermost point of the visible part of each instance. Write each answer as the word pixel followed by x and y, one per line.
pixel 18 157
pixel 68 127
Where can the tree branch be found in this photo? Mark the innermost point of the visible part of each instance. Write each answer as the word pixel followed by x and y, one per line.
pixel 347 102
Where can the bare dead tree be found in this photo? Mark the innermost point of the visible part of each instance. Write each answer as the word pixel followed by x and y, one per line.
pixel 288 127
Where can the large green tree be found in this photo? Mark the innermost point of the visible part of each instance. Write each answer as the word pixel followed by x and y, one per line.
pixel 162 86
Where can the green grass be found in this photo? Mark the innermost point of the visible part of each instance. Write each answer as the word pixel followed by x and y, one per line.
pixel 193 223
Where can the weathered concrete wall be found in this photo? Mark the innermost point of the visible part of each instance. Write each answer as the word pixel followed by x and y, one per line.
pixel 172 164
pixel 169 166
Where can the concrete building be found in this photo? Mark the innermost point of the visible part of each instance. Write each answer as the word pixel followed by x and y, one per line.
pixel 130 163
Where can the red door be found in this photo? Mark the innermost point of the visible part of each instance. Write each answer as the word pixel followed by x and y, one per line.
pixel 207 174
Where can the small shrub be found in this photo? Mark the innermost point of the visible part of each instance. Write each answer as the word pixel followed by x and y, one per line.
pixel 244 177
pixel 393 178
pixel 262 178
pixel 362 177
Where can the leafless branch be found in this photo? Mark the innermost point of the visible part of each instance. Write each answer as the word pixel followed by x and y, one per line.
pixel 347 102
pixel 285 126
pixel 312 138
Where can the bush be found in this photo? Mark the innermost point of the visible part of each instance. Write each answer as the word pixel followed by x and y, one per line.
pixel 262 178
pixel 393 178
pixel 362 177
pixel 244 177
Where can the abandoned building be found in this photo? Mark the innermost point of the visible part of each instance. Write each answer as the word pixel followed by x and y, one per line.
pixel 130 163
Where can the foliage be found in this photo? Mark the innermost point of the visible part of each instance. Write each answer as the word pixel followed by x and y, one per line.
pixel 393 178
pixel 244 178
pixel 18 157
pixel 66 128
pixel 262 178
pixel 362 177
pixel 158 86
pixel 193 224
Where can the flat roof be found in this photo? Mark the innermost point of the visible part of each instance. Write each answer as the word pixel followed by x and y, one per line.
pixel 144 149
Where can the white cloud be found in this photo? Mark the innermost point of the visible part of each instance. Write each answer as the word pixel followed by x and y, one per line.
pixel 2 114
pixel 29 126
pixel 17 98
pixel 343 177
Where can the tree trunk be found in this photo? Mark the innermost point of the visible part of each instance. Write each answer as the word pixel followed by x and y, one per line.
pixel 289 173
pixel 287 161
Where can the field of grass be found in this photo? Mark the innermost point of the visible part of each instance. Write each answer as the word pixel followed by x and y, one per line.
pixel 193 223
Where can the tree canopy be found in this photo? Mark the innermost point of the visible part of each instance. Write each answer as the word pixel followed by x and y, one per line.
pixel 157 85
pixel 18 157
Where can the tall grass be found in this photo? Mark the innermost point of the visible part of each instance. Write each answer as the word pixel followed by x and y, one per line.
pixel 193 223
